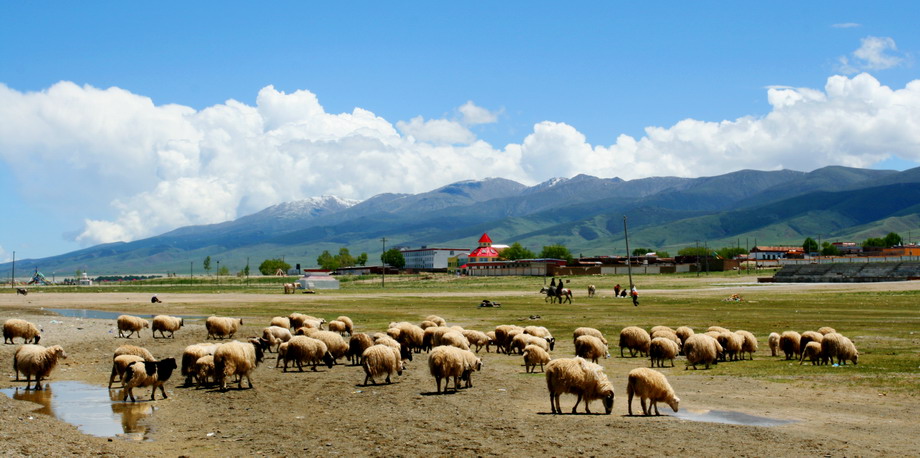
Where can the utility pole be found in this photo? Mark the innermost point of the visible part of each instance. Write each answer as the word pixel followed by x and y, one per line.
pixel 383 278
pixel 218 273
pixel 628 255
pixel 13 272
pixel 190 263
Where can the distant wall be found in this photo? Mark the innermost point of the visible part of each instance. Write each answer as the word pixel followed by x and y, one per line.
pixel 848 272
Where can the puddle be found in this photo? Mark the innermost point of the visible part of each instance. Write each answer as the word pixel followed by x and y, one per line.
pixel 95 410
pixel 103 315
pixel 728 417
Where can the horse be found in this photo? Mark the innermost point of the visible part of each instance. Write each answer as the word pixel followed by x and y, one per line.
pixel 591 290
pixel 557 293
pixel 22 291
pixel 289 288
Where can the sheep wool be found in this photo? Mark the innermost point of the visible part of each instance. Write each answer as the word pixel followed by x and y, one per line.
pixel 534 355
pixel 590 348
pixel 581 378
pixel 336 345
pixel 191 354
pixel 824 330
pixel 731 344
pixel 773 340
pixel 204 370
pixel 503 335
pixel 540 331
pixel 446 362
pixel 14 327
pixel 36 360
pixel 356 346
pixel 455 339
pixel 349 325
pixel 236 359
pixel 748 345
pixel 789 343
pixel 276 335
pixel 491 336
pixel 651 385
pixel 812 351
pixel 120 365
pixel 220 327
pixel 846 351
pixel 436 320
pixel 411 335
pixel 583 331
pixel 476 339
pixel 131 324
pixel 522 340
pixel 661 328
pixel 281 322
pixel 298 320
pixel 809 336
pixel 147 373
pixel 428 324
pixel 701 349
pixel 336 326
pixel 661 349
pixel 635 339
pixel 166 323
pixel 682 333
pixel 381 360
pixel 134 350
pixel 302 350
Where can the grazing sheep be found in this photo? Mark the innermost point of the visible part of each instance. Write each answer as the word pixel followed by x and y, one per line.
pixel 682 333
pixel 281 322
pixel 432 336
pixel 454 339
pixel 809 336
pixel 336 345
pixel 652 385
pixel 220 327
pixel 356 346
pixel 36 360
pixel 349 325
pixel 337 326
pixel 304 350
pixel 276 335
pixel 717 329
pixel 148 373
pixel 120 365
pixel 298 320
pixel 590 348
pixel 581 378
pixel 445 362
pixel 380 360
pixel 522 340
pixel 503 335
pixel 662 348
pixel 478 339
pixel 835 345
pixel 491 336
pixel 749 344
pixel 14 327
pixel 661 328
pixel 846 351
pixel 534 355
pixel 131 324
pixel 789 343
pixel 204 370
pixel 635 339
pixel 411 335
pixel 701 349
pixel 236 359
pixel 812 351
pixel 825 330
pixel 428 324
pixel 588 332
pixel 190 356
pixel 166 323
pixel 773 340
pixel 667 334
pixel 731 344
pixel 436 320
pixel 540 331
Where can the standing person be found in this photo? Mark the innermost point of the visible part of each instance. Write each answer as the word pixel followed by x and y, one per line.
pixel 635 296
pixel 616 290
pixel 552 283
pixel 559 289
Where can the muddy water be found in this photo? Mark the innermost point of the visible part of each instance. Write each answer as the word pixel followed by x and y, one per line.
pixel 95 410
pixel 728 417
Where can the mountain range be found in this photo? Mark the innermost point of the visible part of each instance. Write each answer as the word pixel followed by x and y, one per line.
pixel 584 213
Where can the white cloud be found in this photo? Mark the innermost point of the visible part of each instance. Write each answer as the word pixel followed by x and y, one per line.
pixel 874 53
pixel 4 256
pixel 473 115
pixel 846 25
pixel 134 169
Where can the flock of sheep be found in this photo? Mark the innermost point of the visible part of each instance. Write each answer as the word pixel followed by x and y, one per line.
pixel 300 339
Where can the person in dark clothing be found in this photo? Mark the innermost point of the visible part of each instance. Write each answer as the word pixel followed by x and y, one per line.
pixel 616 290
pixel 155 299
pixel 552 283
pixel 635 296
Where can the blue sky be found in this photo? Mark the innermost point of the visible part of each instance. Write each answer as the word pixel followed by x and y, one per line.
pixel 119 125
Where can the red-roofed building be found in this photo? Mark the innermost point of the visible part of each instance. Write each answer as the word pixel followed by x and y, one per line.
pixel 485 252
pixel 762 253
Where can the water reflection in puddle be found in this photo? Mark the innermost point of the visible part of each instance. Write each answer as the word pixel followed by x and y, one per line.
pixel 93 409
pixel 104 315
pixel 728 417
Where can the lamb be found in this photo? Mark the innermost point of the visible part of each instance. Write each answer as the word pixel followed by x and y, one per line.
pixel 540 331
pixel 349 325
pixel 36 360
pixel 773 339
pixel 809 336
pixel 635 339
pixel 812 351
pixel 590 347
pixel 789 343
pixel 454 339
pixel 682 333
pixel 380 360
pixel 478 339
pixel 701 349
pixel 356 346
pixel 825 330
pixel 204 370
pixel 581 378
pixel 131 324
pixel 165 323
pixel 14 327
pixel 336 345
pixel 445 362
pixel 220 327
pixel 276 335
pixel 534 355
pixel 337 326
pixel 436 320
pixel 652 385
pixel 749 344
pixel 147 373
pixel 236 358
pixel 281 322
pixel 522 340
pixel 120 365
pixel 589 332
pixel 190 356
pixel 303 349
pixel 662 348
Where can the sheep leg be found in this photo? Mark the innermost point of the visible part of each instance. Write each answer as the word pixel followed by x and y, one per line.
pixel 576 404
pixel 162 391
pixel 388 379
pixel 437 380
pixel 629 398
pixel 645 410
pixel 368 377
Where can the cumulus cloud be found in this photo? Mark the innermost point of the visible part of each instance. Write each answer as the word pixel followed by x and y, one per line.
pixel 874 53
pixel 135 169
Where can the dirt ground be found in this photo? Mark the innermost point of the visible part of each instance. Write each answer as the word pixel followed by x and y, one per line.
pixel 329 412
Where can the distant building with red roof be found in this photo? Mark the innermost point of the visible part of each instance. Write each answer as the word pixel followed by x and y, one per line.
pixel 485 252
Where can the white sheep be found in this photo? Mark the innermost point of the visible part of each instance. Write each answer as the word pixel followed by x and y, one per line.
pixel 477 339
pixel 491 336
pixel 812 351
pixel 302 350
pixel 436 320
pixel 36 360
pixel 356 346
pixel 847 351
pixel 590 348
pixel 454 339
pixel 190 356
pixel 667 334
pixel 683 333
pixel 411 335
pixel 336 345
pixel 281 322
pixel 381 360
pixel 204 370
pixel 534 355
pixel 503 335
pixel 809 336
pixel 652 385
pixel 446 362
pixel 120 365
pixel 581 378
pixel 298 320
pixel 824 330
pixel 14 327
pixel 349 325
pixel 662 328
pixel 147 373
pixel 731 344
pixel 661 349
pixel 276 335
pixel 166 323
pixel 428 324
pixel 431 337
pixel 717 329
pixel 701 349
pixel 789 343
pixel 749 344
pixel 773 340
pixel 131 324
pixel 220 327
pixel 584 331
pixel 337 326
pixel 236 359
pixel 540 331
pixel 522 340
pixel 835 345
pixel 635 339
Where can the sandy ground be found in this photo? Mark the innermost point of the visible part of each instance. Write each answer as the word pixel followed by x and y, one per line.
pixel 329 412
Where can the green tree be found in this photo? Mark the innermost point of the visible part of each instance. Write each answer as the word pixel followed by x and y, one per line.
pixel 270 266
pixel 393 258
pixel 693 251
pixel 556 252
pixel 517 251
pixel 809 245
pixel 207 265
pixel 345 258
pixel 829 249
pixel 892 239
pixel 641 251
pixel 730 252
pixel 873 243
pixel 662 254
pixel 223 271
pixel 361 260
pixel 246 269
pixel 327 261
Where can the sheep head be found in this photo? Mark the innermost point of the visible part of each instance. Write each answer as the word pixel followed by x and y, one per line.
pixel 328 359
pixel 673 402
pixel 608 401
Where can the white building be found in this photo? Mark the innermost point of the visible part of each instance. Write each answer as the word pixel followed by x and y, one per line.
pixel 426 258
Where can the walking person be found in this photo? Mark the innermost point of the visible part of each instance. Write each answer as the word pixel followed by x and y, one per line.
pixel 635 296
pixel 616 290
